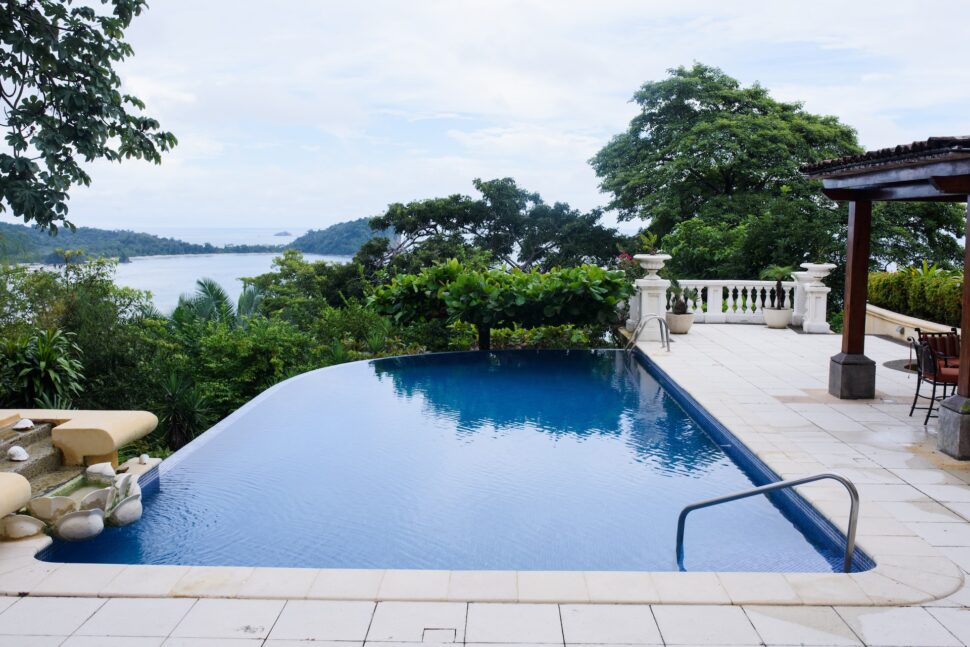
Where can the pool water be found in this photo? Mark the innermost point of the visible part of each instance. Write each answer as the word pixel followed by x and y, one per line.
pixel 517 460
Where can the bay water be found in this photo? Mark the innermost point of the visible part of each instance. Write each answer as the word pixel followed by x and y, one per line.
pixel 168 277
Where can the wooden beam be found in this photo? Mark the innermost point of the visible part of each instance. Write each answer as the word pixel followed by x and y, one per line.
pixel 963 380
pixel 923 191
pixel 856 277
pixel 952 183
pixel 916 173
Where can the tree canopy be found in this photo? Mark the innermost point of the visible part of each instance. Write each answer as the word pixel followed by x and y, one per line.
pixel 62 102
pixel 513 225
pixel 714 167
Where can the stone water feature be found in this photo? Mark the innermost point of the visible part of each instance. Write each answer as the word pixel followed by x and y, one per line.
pixel 69 502
pixel 81 509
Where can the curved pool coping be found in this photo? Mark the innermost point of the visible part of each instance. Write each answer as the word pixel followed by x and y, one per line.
pixel 921 575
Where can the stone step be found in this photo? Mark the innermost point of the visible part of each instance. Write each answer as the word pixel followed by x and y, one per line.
pixel 9 437
pixel 42 457
pixel 44 467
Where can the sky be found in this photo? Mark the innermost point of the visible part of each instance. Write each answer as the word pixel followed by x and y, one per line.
pixel 301 114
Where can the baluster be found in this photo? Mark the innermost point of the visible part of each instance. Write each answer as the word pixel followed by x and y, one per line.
pixel 732 299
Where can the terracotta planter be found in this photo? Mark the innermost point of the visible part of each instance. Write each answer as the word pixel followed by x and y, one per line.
pixel 679 324
pixel 777 317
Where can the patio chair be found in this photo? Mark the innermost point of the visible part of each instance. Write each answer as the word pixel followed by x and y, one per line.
pixel 931 366
pixel 945 344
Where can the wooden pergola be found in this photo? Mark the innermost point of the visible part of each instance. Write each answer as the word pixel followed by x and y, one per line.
pixel 938 170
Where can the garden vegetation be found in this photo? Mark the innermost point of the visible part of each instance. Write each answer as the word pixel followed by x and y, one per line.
pixel 926 292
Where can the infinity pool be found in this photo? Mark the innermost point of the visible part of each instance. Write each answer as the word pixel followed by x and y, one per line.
pixel 517 460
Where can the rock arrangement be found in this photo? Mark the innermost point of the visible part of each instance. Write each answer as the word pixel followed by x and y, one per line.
pixel 116 503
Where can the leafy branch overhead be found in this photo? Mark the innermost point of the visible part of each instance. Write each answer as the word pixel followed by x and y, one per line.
pixel 62 102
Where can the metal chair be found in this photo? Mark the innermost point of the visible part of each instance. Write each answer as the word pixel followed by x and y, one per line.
pixel 945 344
pixel 931 366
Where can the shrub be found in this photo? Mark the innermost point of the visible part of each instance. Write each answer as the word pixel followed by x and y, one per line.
pixel 41 369
pixel 183 412
pixel 925 293
pixel 236 364
pixel 585 295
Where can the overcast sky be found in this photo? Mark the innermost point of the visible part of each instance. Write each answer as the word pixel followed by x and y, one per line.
pixel 302 114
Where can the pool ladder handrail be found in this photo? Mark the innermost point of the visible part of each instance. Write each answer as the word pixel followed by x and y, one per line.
pixel 664 331
pixel 779 485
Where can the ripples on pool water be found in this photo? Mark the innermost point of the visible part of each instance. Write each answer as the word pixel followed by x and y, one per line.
pixel 512 460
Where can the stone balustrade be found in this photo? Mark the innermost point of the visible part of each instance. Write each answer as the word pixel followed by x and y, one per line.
pixel 732 301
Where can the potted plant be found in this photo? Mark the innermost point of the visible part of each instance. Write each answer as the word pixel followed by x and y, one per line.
pixel 678 319
pixel 777 315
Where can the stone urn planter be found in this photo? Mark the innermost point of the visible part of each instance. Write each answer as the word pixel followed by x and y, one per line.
pixel 679 324
pixel 652 263
pixel 777 317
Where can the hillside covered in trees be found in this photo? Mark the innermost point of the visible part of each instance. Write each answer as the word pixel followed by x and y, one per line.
pixel 23 244
pixel 342 239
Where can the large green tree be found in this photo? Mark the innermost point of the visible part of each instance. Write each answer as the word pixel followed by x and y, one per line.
pixel 62 103
pixel 714 167
pixel 513 225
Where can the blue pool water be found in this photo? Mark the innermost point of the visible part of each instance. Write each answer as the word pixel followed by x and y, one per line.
pixel 525 460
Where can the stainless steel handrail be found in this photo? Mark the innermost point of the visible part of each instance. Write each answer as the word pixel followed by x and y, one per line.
pixel 853 510
pixel 664 331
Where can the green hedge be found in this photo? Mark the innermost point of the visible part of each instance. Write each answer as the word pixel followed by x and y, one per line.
pixel 934 296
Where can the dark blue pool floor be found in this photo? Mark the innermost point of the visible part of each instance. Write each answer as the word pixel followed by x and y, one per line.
pixel 516 460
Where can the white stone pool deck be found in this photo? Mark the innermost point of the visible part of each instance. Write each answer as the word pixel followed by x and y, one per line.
pixel 767 386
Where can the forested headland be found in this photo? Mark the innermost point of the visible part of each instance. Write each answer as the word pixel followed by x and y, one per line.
pixel 23 244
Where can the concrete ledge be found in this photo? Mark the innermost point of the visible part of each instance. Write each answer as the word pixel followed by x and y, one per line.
pixel 14 492
pixel 89 436
pixel 880 321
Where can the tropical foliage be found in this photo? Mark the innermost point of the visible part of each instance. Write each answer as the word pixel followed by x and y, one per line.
pixel 40 369
pixel 778 273
pixel 493 298
pixel 925 292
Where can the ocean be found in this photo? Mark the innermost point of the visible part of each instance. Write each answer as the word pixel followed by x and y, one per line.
pixel 168 277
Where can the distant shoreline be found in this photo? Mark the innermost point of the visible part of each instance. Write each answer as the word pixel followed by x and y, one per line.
pixel 24 244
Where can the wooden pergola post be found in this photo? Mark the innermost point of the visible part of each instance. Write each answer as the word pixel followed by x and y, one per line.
pixel 852 375
pixel 963 381
pixel 954 434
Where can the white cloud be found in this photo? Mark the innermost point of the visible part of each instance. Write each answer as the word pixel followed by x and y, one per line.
pixel 307 113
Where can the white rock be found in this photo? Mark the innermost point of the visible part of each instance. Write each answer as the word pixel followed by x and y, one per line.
pixel 50 508
pixel 18 526
pixel 23 424
pixel 101 499
pixel 83 524
pixel 126 512
pixel 17 453
pixel 100 473
pixel 143 459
